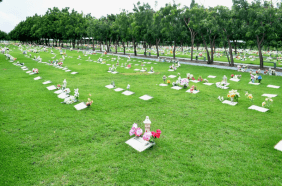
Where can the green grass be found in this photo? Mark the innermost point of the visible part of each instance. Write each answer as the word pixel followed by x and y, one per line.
pixel 203 141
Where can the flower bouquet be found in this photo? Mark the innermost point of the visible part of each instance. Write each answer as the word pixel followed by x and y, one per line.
pixel 70 100
pixel 233 95
pixel 249 96
pixel 89 102
pixel 59 86
pixel 267 103
pixel 60 63
pixel 147 135
pixel 35 70
pixel 135 130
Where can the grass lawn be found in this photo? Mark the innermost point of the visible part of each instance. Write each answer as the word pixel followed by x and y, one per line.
pixel 203 142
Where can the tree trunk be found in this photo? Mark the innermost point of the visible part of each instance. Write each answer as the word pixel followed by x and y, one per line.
pixel 93 45
pixel 259 42
pixel 157 47
pixel 192 46
pixel 101 46
pixel 174 49
pixel 134 45
pixel 116 46
pixel 208 55
pixel 123 44
pixel 235 44
pixel 212 47
pixel 127 44
pixel 230 51
pixel 227 55
pixel 145 48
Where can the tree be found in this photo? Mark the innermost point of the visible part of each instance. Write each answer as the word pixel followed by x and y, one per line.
pixel 172 24
pixel 3 35
pixel 123 23
pixel 261 24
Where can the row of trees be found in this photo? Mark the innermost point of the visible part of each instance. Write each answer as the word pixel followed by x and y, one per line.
pixel 257 23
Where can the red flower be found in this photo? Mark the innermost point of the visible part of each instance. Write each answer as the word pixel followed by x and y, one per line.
pixel 153 134
pixel 158 133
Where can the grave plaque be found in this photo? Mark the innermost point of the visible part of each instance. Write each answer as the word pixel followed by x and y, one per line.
pixel 139 144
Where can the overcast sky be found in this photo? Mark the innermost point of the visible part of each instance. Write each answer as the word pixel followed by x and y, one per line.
pixel 14 11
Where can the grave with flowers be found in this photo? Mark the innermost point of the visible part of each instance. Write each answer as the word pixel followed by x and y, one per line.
pixel 143 141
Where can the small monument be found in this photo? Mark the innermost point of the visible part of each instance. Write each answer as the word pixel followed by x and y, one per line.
pixel 147 123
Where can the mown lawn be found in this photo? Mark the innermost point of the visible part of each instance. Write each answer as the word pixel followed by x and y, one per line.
pixel 203 142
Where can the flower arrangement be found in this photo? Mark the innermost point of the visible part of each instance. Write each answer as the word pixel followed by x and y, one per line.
pixel 206 81
pixel 220 98
pixel 267 103
pixel 89 102
pixel 168 81
pixel 67 90
pixel 200 78
pixel 232 75
pixel 135 130
pixel 35 70
pixel 60 63
pixel 147 135
pixel 70 100
pixel 249 96
pixel 59 86
pixel 234 95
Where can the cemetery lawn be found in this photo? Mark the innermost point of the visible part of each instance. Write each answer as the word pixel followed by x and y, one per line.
pixel 203 142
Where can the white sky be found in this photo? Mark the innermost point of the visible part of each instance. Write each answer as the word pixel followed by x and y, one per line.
pixel 14 11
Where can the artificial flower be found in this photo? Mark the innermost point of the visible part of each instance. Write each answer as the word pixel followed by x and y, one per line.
pixel 138 132
pixel 147 136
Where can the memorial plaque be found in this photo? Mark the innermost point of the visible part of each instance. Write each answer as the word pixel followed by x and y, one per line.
pixel 278 146
pixel 172 76
pixel 109 86
pixel 46 82
pixel 230 102
pixel 236 80
pixel 37 78
pixel 176 87
pixel 80 106
pixel 52 87
pixel 273 86
pixel 260 109
pixel 210 76
pixel 139 144
pixel 63 95
pixel 118 89
pixel 254 83
pixel 269 95
pixel 146 97
pixel 128 93
pixel 163 85
pixel 194 91
pixel 209 84
pixel 58 92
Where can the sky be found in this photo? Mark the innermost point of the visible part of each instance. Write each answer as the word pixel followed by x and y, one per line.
pixel 14 11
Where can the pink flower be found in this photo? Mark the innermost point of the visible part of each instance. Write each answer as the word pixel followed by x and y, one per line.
pixel 147 136
pixel 135 125
pixel 138 132
pixel 132 131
